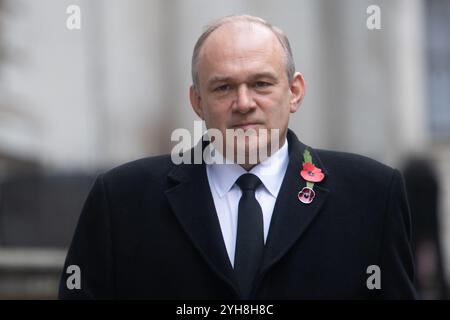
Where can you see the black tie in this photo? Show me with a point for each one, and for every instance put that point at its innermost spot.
(250, 234)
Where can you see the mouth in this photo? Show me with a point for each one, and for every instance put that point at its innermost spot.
(246, 126)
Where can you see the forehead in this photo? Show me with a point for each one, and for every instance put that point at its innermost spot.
(236, 49)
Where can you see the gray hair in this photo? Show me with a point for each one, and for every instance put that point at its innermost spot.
(282, 38)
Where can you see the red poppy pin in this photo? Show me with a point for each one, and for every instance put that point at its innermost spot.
(311, 174)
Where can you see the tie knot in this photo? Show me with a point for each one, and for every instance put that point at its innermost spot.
(248, 181)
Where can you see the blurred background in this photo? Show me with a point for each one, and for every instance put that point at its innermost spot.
(74, 103)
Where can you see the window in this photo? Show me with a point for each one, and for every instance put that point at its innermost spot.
(438, 56)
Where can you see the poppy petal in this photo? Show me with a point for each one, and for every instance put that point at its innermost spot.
(312, 176)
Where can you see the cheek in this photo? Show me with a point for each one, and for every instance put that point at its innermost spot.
(215, 113)
(276, 109)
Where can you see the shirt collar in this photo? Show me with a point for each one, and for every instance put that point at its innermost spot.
(271, 172)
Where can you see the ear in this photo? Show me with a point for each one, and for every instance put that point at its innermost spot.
(297, 92)
(194, 96)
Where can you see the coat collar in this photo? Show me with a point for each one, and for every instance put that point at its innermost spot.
(192, 203)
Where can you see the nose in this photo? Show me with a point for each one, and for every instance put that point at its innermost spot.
(244, 101)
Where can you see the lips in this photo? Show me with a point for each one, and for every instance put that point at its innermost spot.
(246, 126)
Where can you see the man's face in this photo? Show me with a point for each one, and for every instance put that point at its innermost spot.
(243, 81)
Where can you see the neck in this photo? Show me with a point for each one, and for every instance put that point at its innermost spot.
(248, 166)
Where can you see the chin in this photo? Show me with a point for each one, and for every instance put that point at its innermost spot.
(249, 151)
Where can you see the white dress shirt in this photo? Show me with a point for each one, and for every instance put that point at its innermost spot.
(226, 194)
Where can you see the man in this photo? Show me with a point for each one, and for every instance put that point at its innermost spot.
(298, 224)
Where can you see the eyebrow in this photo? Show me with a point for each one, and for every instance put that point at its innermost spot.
(217, 79)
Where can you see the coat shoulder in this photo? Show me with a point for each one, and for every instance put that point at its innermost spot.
(149, 170)
(359, 168)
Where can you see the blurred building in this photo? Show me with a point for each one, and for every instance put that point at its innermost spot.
(75, 102)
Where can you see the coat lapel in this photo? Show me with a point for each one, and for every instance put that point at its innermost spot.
(192, 202)
(290, 217)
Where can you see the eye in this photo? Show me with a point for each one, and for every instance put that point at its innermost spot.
(262, 84)
(222, 88)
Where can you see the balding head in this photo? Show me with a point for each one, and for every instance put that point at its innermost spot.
(236, 22)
